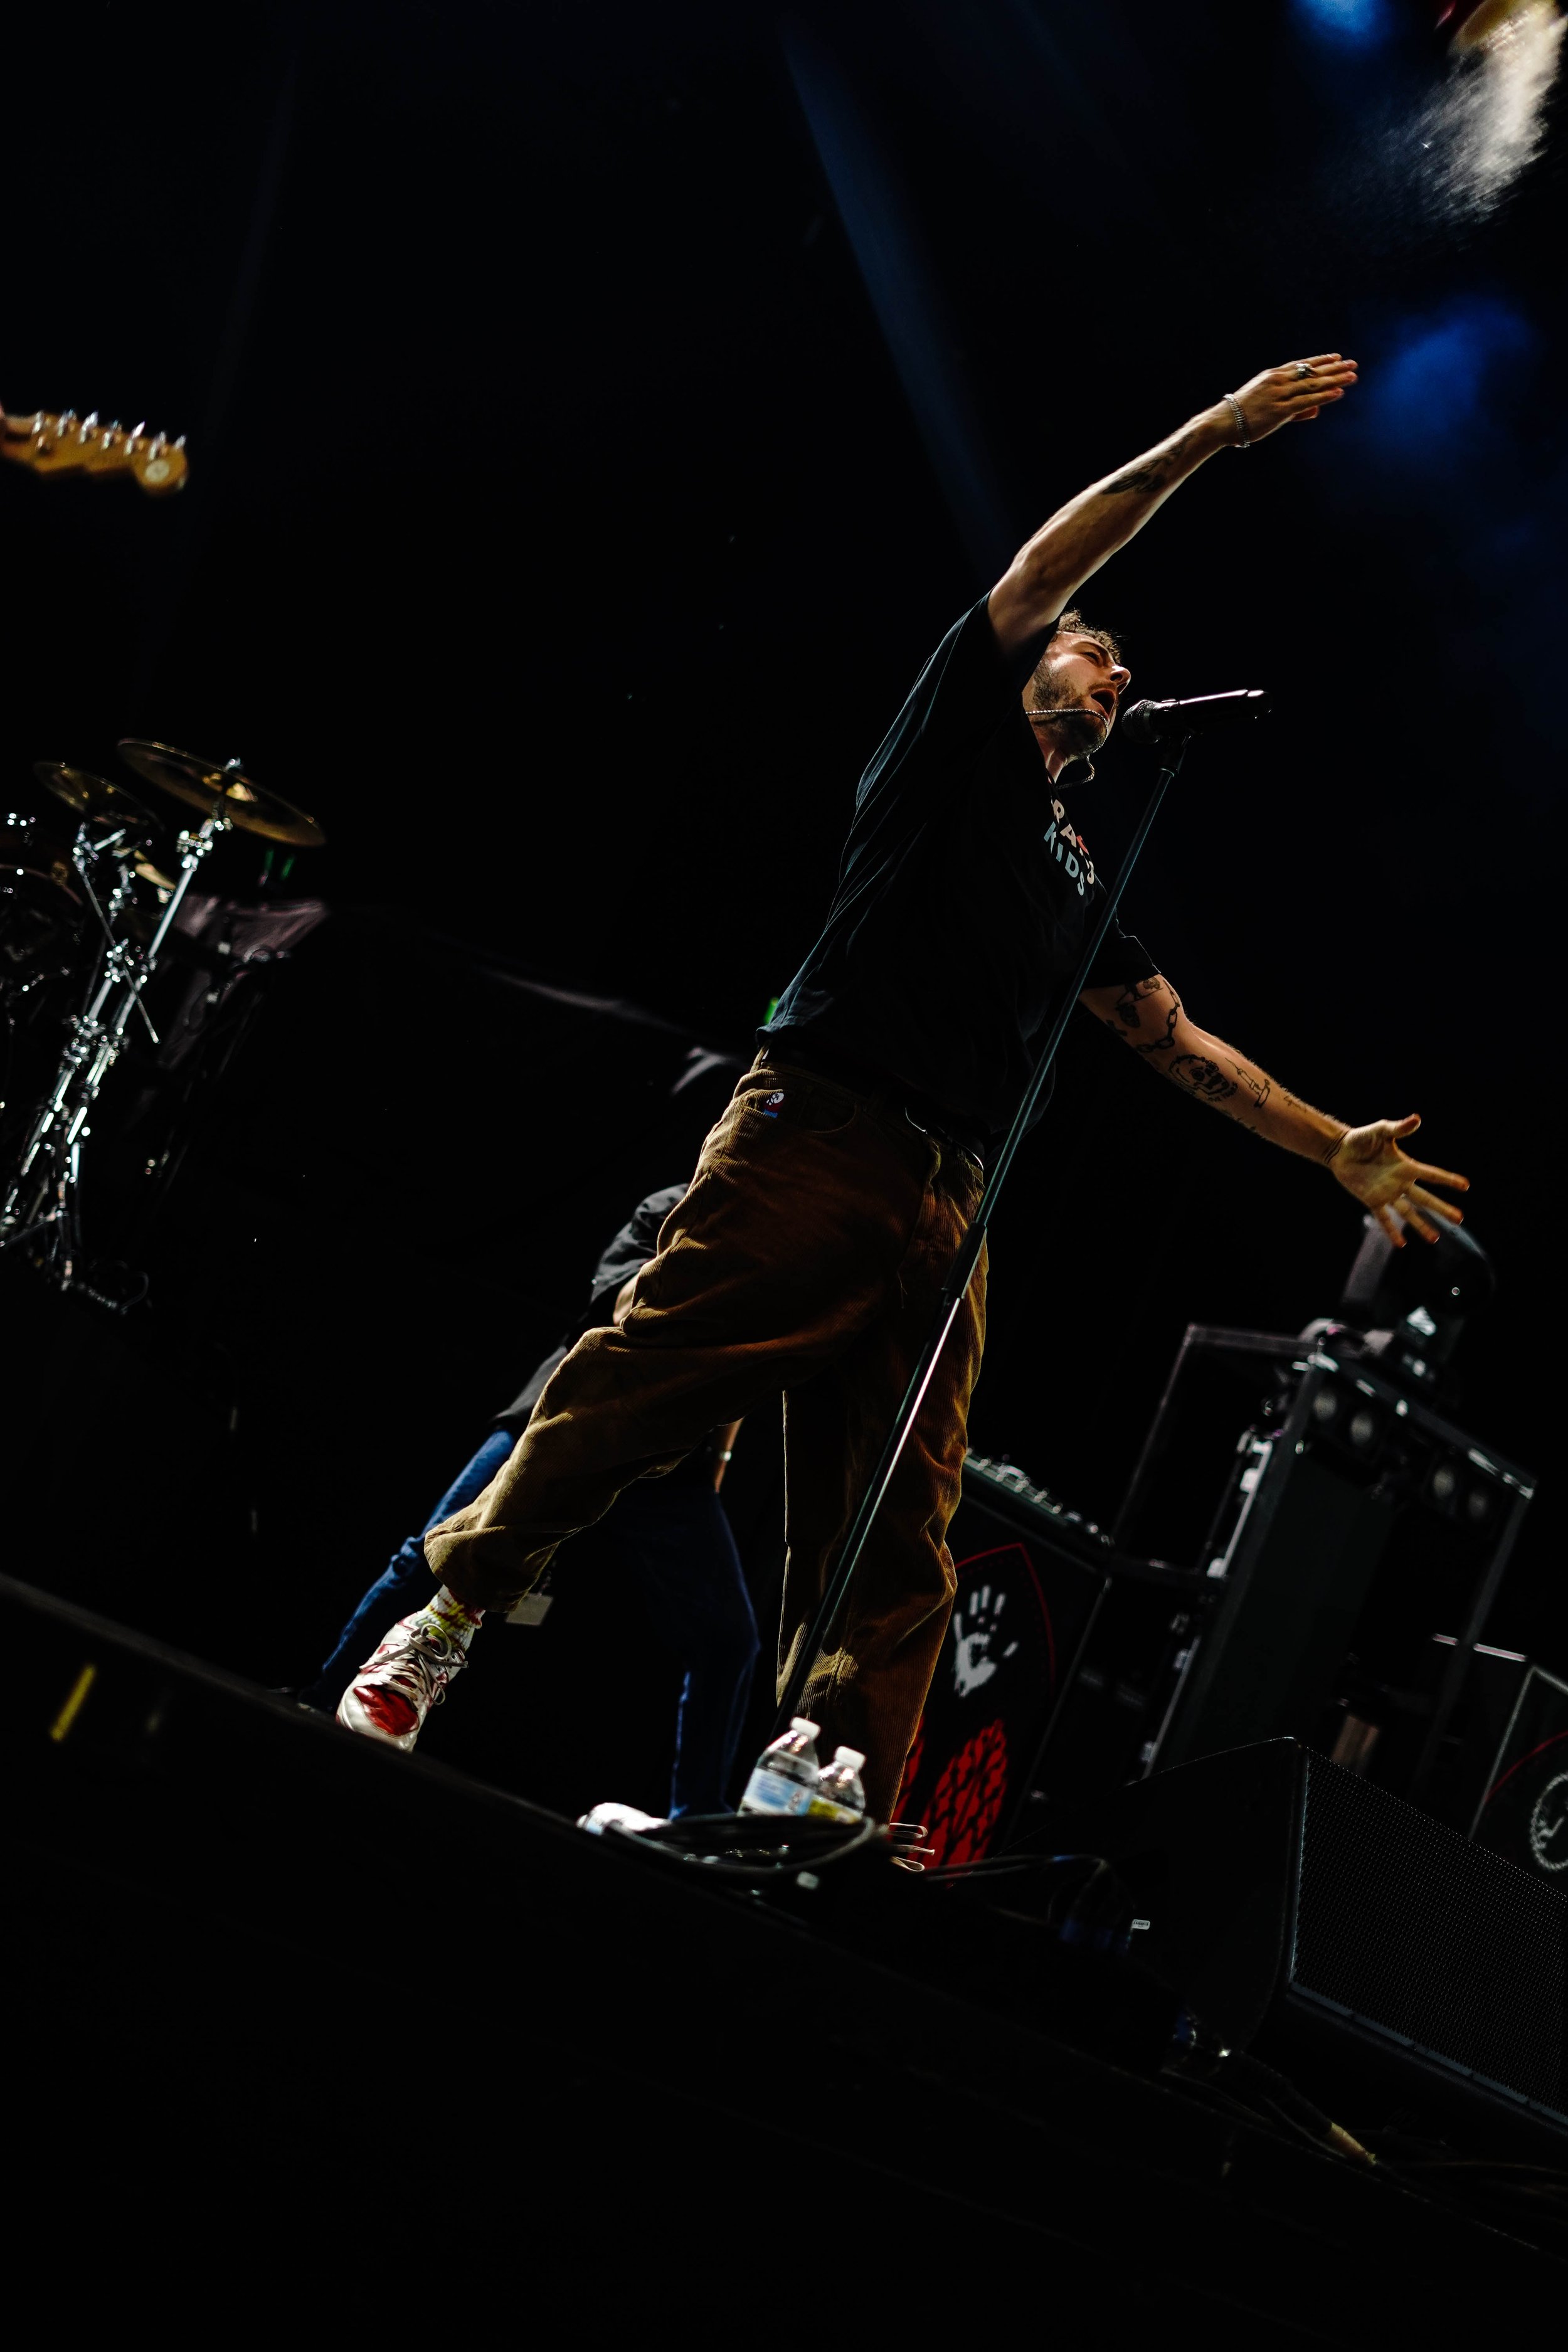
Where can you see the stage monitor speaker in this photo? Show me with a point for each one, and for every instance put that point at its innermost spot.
(1026, 1600)
(1299, 1575)
(1355, 1523)
(1292, 1905)
(1523, 1815)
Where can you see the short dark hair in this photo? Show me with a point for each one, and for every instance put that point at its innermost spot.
(1073, 625)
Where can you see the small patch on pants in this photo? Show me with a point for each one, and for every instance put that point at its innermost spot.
(773, 1106)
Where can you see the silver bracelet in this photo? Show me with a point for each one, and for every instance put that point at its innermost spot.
(1243, 438)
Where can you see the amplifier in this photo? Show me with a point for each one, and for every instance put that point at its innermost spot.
(1293, 1905)
(1008, 1490)
(1523, 1813)
(1356, 1521)
(1030, 1579)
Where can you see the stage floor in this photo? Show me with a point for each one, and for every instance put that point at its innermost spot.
(298, 1996)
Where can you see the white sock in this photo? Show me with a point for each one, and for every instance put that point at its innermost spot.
(452, 1617)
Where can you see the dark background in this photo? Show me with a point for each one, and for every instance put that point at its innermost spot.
(595, 416)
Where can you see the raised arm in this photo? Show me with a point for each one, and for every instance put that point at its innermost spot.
(1367, 1160)
(1047, 571)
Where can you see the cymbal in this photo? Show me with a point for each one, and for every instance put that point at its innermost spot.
(155, 874)
(216, 789)
(91, 795)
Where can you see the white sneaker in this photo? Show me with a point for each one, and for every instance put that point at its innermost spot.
(619, 1817)
(397, 1688)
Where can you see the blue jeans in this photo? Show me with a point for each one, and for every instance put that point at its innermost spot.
(676, 1542)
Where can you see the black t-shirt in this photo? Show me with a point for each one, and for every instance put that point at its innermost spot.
(965, 896)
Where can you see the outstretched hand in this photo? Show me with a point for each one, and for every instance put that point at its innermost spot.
(1294, 393)
(1369, 1162)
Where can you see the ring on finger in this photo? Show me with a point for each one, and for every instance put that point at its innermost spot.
(1302, 368)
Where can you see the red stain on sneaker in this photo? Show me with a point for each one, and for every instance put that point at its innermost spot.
(389, 1710)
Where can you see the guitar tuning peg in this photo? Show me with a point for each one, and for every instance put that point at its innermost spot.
(137, 430)
(88, 423)
(179, 444)
(67, 419)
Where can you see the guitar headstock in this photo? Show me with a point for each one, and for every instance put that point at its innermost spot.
(81, 444)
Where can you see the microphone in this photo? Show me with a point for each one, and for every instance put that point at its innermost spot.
(1197, 714)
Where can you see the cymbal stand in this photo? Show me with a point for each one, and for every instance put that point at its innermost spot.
(86, 852)
(43, 1196)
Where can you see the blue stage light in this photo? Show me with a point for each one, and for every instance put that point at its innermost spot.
(1357, 24)
(1439, 382)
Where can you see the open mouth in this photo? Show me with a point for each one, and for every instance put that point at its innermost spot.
(1104, 701)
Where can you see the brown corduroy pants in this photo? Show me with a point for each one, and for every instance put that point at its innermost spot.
(807, 1255)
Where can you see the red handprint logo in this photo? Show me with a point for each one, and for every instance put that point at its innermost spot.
(966, 1803)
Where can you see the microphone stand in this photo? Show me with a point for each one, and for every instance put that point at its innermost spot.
(961, 1272)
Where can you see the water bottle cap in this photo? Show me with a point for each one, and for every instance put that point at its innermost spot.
(850, 1756)
(804, 1723)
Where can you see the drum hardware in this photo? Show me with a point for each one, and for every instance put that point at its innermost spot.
(35, 871)
(41, 1201)
(201, 785)
(87, 795)
(117, 923)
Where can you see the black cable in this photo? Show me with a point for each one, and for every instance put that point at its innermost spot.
(1546, 2173)
(1226, 2102)
(1002, 1868)
(715, 1866)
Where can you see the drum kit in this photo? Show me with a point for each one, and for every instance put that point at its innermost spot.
(99, 913)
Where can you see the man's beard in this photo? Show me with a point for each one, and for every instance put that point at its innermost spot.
(1078, 732)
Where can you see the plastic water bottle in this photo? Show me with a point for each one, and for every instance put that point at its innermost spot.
(840, 1795)
(784, 1778)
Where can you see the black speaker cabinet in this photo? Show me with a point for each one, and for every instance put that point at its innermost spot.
(1523, 1813)
(1356, 1522)
(1027, 1596)
(1297, 1908)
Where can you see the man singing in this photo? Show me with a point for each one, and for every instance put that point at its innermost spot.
(810, 1249)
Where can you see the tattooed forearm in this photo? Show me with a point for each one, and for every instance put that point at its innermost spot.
(1140, 478)
(1163, 1045)
(1257, 1105)
(1156, 471)
(1129, 1011)
(1148, 1015)
(1131, 998)
(1160, 1044)
(1202, 1077)
(1257, 1084)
